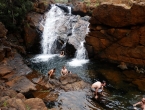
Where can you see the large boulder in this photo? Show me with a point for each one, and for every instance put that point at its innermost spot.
(118, 16)
(31, 35)
(115, 37)
(80, 7)
(35, 103)
(72, 82)
(16, 103)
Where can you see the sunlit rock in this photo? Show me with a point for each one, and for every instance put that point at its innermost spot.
(35, 103)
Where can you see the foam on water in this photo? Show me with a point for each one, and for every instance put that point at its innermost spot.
(43, 57)
(77, 62)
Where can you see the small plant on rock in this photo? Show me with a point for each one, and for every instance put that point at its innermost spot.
(5, 104)
(28, 107)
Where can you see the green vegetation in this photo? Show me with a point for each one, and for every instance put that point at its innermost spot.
(5, 104)
(12, 12)
(28, 107)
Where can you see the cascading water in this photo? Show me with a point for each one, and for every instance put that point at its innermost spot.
(60, 24)
(50, 29)
(72, 29)
(81, 52)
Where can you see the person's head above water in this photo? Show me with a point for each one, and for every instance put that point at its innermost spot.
(103, 83)
(63, 67)
(143, 100)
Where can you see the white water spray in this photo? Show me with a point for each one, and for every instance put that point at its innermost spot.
(50, 29)
(60, 24)
(81, 52)
(81, 56)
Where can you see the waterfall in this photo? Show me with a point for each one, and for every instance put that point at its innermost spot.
(50, 29)
(81, 52)
(69, 8)
(60, 25)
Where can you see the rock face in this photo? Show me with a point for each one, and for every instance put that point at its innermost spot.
(118, 33)
(21, 84)
(11, 100)
(118, 16)
(31, 35)
(3, 30)
(71, 82)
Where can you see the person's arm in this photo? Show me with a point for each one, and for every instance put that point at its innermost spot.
(96, 90)
(138, 103)
(66, 72)
(50, 73)
(61, 72)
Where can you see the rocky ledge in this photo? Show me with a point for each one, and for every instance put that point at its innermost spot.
(117, 33)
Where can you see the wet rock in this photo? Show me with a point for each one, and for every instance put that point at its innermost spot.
(69, 79)
(139, 83)
(75, 86)
(45, 82)
(52, 96)
(113, 76)
(37, 80)
(35, 103)
(21, 84)
(72, 82)
(130, 74)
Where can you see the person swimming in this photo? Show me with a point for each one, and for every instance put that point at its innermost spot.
(61, 54)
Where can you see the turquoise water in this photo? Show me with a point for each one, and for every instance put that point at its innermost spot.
(121, 89)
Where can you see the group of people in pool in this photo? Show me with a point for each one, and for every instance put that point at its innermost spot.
(97, 89)
(63, 72)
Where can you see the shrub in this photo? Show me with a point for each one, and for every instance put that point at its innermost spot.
(12, 12)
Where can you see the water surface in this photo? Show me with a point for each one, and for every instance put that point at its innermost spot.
(121, 90)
